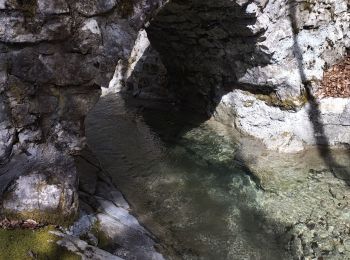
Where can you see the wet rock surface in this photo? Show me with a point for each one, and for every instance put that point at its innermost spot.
(105, 229)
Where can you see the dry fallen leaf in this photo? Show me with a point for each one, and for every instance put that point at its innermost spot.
(336, 80)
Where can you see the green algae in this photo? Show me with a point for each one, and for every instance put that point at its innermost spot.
(32, 244)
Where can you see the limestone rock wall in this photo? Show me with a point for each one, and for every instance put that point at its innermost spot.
(253, 62)
(54, 57)
(143, 75)
(271, 47)
(328, 124)
(147, 76)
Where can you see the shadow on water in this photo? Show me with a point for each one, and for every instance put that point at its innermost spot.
(214, 211)
(200, 208)
(315, 117)
(204, 207)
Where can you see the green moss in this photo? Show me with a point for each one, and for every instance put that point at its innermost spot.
(32, 244)
(55, 217)
(126, 8)
(104, 242)
(248, 103)
(291, 103)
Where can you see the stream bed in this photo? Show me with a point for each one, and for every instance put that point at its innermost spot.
(184, 184)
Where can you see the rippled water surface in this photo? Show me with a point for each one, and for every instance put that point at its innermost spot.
(182, 183)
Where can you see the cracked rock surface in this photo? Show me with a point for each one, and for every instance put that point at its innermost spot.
(54, 57)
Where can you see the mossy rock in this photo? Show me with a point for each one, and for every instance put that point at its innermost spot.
(104, 242)
(32, 244)
(292, 103)
(28, 6)
(126, 8)
(54, 218)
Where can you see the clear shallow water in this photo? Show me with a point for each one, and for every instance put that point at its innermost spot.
(182, 183)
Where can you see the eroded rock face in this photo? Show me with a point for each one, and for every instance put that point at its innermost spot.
(54, 57)
(212, 47)
(274, 51)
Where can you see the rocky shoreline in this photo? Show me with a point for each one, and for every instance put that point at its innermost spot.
(105, 228)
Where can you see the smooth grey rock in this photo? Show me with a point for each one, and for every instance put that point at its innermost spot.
(112, 195)
(94, 7)
(83, 225)
(41, 189)
(83, 249)
(53, 6)
(134, 242)
(283, 130)
(120, 214)
(105, 214)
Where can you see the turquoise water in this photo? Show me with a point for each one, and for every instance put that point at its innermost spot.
(182, 182)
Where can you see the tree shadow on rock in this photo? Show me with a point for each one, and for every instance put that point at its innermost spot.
(321, 139)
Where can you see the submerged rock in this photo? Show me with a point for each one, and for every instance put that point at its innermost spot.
(83, 249)
(105, 228)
